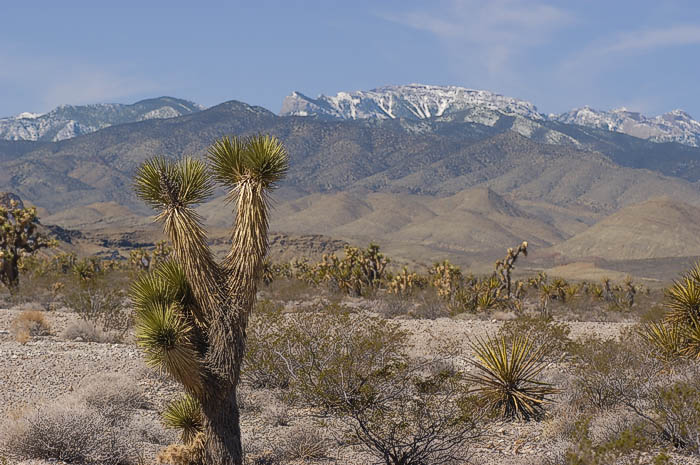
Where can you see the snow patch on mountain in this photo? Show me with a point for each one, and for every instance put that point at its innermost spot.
(68, 121)
(675, 126)
(414, 101)
(452, 103)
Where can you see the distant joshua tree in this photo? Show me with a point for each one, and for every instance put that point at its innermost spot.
(19, 237)
(191, 311)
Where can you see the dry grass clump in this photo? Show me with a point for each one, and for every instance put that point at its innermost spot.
(112, 391)
(87, 331)
(303, 442)
(275, 413)
(28, 324)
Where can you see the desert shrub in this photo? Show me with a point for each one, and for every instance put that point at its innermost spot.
(676, 413)
(508, 376)
(392, 305)
(407, 418)
(28, 324)
(329, 356)
(302, 442)
(71, 432)
(629, 447)
(102, 305)
(430, 306)
(303, 350)
(608, 373)
(247, 400)
(275, 413)
(262, 367)
(114, 394)
(87, 331)
(289, 289)
(354, 366)
(664, 397)
(546, 334)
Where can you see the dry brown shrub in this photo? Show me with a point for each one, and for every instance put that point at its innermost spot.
(28, 324)
(112, 391)
(303, 442)
(276, 413)
(178, 454)
(71, 432)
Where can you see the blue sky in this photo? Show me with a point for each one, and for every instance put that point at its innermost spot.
(644, 55)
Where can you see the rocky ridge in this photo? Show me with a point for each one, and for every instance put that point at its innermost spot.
(426, 102)
(68, 121)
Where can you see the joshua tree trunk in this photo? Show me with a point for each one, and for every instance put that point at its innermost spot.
(221, 427)
(10, 272)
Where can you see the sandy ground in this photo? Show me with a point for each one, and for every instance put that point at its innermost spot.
(47, 367)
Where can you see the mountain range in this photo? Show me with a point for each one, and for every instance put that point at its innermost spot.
(68, 121)
(423, 102)
(425, 189)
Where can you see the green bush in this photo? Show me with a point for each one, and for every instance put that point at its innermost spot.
(546, 334)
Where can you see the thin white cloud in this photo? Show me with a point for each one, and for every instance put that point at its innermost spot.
(51, 81)
(607, 52)
(495, 32)
(651, 39)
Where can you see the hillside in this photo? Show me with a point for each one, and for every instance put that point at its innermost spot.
(659, 227)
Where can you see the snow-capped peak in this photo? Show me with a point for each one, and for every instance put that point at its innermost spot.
(674, 126)
(28, 115)
(413, 101)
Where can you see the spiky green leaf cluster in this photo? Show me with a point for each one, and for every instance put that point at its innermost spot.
(163, 302)
(184, 414)
(162, 183)
(508, 376)
(679, 334)
(684, 300)
(260, 157)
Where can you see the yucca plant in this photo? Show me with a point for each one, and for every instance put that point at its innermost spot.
(666, 338)
(684, 300)
(691, 332)
(191, 312)
(507, 376)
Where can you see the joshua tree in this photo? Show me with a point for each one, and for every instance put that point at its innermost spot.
(192, 311)
(505, 267)
(18, 237)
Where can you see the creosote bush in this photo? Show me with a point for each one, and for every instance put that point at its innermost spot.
(354, 367)
(547, 334)
(102, 306)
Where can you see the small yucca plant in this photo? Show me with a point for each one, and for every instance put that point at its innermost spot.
(184, 414)
(507, 376)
